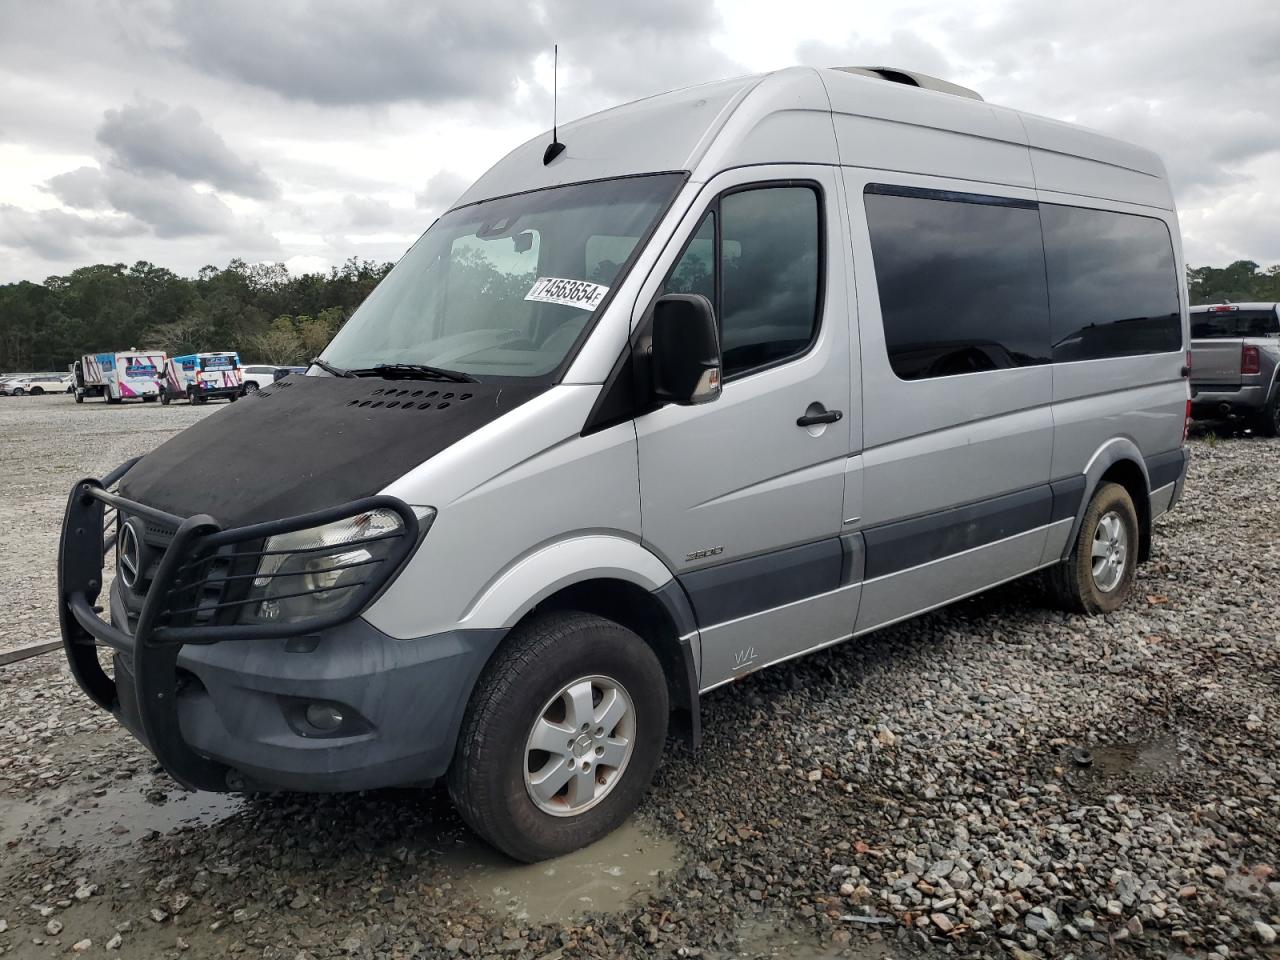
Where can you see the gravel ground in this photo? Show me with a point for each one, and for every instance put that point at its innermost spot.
(994, 779)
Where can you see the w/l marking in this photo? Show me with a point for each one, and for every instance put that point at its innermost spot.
(744, 658)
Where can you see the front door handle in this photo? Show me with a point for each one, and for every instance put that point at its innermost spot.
(817, 414)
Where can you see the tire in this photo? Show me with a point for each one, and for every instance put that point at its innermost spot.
(1073, 583)
(37, 391)
(17, 392)
(1267, 423)
(79, 397)
(250, 386)
(164, 398)
(518, 689)
(232, 398)
(111, 399)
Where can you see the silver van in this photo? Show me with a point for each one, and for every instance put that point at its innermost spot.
(707, 382)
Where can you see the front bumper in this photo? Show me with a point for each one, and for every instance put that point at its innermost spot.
(222, 705)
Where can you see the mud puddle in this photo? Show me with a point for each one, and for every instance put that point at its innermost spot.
(600, 878)
(1137, 765)
(111, 818)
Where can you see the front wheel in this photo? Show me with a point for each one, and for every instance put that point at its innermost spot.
(79, 397)
(18, 391)
(562, 736)
(164, 398)
(1098, 576)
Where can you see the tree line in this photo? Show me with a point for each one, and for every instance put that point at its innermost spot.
(261, 311)
(269, 315)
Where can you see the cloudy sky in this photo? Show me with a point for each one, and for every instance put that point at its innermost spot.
(187, 133)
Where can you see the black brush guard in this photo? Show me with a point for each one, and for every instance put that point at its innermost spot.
(167, 622)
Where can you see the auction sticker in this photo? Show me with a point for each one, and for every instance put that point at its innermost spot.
(571, 293)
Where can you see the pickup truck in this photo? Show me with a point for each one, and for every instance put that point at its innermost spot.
(1235, 361)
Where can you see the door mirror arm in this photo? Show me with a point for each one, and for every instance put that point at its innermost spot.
(686, 364)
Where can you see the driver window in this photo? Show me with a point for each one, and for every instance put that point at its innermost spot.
(763, 279)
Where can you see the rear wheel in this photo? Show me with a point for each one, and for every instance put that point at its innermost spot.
(79, 397)
(562, 735)
(111, 399)
(164, 398)
(1098, 576)
(1268, 421)
(250, 386)
(37, 391)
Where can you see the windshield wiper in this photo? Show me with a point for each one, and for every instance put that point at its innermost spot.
(412, 371)
(329, 368)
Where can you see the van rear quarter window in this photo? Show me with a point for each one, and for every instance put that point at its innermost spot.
(961, 280)
(1113, 285)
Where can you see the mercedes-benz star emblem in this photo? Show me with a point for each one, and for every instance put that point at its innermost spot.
(129, 556)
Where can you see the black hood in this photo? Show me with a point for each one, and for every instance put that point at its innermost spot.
(307, 443)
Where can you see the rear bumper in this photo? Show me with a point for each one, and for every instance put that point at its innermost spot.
(1211, 402)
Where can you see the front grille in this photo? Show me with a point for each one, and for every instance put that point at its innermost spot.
(202, 586)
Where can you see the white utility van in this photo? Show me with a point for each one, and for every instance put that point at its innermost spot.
(716, 379)
(128, 375)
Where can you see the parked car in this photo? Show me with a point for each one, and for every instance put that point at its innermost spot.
(34, 384)
(727, 376)
(1235, 363)
(126, 375)
(258, 375)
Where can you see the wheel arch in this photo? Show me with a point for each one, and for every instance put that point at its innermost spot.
(662, 618)
(612, 577)
(1119, 461)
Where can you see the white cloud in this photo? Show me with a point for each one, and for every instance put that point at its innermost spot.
(309, 131)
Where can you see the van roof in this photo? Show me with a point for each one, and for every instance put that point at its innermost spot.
(788, 116)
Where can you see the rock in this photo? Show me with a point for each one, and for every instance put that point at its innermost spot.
(114, 942)
(53, 927)
(1216, 872)
(1265, 933)
(942, 922)
(80, 946)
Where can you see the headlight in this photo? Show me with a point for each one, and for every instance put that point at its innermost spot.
(310, 573)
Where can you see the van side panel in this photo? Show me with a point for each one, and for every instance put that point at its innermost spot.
(959, 443)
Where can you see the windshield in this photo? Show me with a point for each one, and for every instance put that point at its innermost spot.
(1218, 324)
(504, 288)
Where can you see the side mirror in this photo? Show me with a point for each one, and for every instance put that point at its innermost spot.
(686, 349)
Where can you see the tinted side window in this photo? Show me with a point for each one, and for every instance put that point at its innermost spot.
(961, 281)
(769, 262)
(761, 274)
(1113, 286)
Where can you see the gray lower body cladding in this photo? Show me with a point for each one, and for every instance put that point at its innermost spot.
(244, 704)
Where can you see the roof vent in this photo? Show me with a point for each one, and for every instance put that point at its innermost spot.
(911, 78)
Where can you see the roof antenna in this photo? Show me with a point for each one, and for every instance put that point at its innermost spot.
(555, 147)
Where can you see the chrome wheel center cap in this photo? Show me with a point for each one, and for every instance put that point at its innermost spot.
(583, 746)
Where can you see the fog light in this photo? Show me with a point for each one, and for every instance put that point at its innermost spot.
(324, 716)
